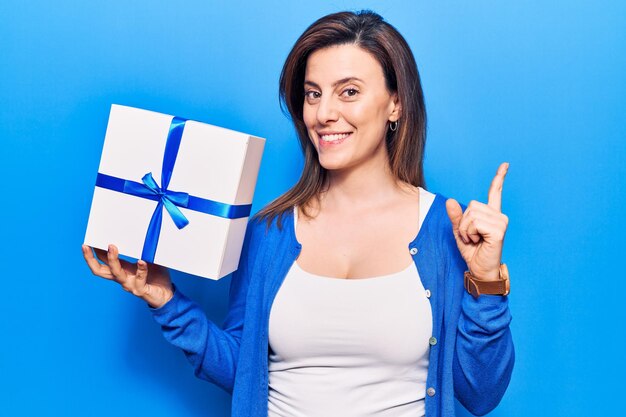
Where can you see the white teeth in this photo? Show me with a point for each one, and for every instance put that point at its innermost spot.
(334, 137)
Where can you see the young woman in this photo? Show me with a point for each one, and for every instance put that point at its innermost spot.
(352, 297)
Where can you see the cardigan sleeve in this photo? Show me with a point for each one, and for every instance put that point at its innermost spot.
(484, 354)
(212, 350)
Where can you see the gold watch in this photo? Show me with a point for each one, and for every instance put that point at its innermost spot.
(477, 287)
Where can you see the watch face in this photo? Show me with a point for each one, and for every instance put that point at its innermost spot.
(504, 272)
(507, 286)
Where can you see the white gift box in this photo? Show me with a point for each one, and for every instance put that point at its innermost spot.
(215, 167)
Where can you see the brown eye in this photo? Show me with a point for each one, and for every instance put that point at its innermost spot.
(311, 95)
(350, 92)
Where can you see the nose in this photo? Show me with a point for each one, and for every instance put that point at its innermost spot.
(327, 110)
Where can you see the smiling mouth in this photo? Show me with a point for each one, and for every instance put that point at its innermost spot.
(334, 138)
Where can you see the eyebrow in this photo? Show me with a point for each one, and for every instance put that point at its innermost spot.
(336, 83)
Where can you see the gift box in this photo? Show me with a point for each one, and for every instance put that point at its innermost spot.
(174, 192)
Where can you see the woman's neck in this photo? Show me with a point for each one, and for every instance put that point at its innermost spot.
(363, 186)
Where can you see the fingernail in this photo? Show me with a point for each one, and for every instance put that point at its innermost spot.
(110, 248)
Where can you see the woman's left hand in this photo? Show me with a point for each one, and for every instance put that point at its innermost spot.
(480, 230)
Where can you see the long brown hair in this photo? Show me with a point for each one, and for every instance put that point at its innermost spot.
(405, 146)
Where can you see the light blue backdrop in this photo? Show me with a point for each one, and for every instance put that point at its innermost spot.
(539, 84)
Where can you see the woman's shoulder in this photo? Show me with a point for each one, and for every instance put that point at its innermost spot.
(438, 200)
(440, 230)
(434, 205)
(437, 222)
(262, 227)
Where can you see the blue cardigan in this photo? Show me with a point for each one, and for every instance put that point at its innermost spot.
(471, 356)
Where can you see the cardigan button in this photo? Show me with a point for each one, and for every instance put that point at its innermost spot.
(413, 251)
(427, 293)
(432, 341)
(431, 392)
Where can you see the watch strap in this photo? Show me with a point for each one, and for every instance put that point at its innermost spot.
(478, 287)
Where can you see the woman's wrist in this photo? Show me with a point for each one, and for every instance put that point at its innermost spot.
(165, 297)
(477, 286)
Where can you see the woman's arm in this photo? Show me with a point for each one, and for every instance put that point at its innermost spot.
(213, 351)
(484, 353)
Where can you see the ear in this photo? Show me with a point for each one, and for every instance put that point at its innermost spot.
(396, 108)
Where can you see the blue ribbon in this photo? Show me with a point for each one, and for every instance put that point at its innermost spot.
(169, 199)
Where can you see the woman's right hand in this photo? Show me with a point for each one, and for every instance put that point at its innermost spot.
(154, 288)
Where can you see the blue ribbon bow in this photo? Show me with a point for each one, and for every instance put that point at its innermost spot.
(167, 198)
(171, 200)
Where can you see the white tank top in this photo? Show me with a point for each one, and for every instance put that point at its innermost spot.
(350, 347)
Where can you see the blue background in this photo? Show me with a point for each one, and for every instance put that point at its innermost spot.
(539, 84)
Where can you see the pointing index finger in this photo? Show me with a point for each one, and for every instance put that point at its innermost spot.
(495, 190)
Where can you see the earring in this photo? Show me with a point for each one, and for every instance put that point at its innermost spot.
(393, 126)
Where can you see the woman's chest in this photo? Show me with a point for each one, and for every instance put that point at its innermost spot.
(357, 246)
(324, 321)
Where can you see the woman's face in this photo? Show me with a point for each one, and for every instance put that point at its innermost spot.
(347, 107)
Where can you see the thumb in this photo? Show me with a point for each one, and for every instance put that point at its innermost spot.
(455, 213)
